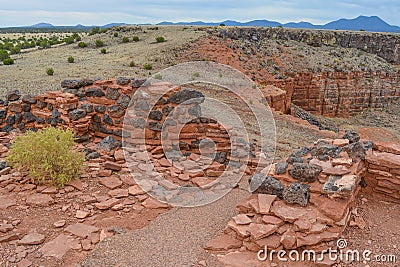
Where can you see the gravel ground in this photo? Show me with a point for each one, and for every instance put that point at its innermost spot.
(175, 238)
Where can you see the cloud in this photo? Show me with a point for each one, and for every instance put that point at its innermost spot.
(89, 12)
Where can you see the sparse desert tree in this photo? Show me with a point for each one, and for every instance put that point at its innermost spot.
(160, 39)
(4, 54)
(48, 156)
(82, 44)
(135, 38)
(8, 61)
(70, 59)
(125, 39)
(115, 34)
(147, 66)
(99, 43)
(50, 71)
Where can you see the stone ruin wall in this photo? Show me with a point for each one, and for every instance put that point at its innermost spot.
(279, 216)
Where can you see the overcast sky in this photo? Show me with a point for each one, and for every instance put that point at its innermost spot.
(100, 12)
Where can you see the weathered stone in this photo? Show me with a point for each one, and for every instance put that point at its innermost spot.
(323, 150)
(124, 101)
(112, 166)
(341, 185)
(281, 167)
(187, 96)
(297, 193)
(81, 214)
(352, 136)
(32, 239)
(116, 111)
(29, 99)
(223, 242)
(289, 239)
(81, 230)
(337, 170)
(135, 190)
(265, 202)
(75, 84)
(241, 230)
(357, 151)
(155, 115)
(111, 182)
(100, 109)
(29, 117)
(152, 203)
(341, 142)
(118, 193)
(268, 185)
(258, 231)
(5, 227)
(268, 219)
(384, 159)
(305, 172)
(288, 213)
(112, 93)
(6, 202)
(94, 92)
(242, 219)
(123, 81)
(13, 95)
(39, 199)
(103, 205)
(107, 120)
(59, 246)
(77, 114)
(155, 126)
(109, 143)
(59, 224)
(313, 239)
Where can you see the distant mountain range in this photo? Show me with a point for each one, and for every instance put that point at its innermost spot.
(371, 24)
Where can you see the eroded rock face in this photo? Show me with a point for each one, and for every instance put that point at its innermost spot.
(297, 193)
(305, 172)
(269, 185)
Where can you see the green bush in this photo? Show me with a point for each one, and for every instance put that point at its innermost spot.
(132, 64)
(135, 38)
(115, 34)
(160, 39)
(50, 71)
(48, 156)
(125, 40)
(103, 51)
(82, 44)
(69, 40)
(99, 43)
(15, 50)
(70, 59)
(147, 66)
(4, 54)
(8, 61)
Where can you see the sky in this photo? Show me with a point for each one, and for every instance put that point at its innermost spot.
(100, 12)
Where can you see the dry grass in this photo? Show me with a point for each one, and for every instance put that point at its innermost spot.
(28, 74)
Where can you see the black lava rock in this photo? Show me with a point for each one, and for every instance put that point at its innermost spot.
(305, 172)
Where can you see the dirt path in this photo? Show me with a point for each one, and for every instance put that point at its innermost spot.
(175, 238)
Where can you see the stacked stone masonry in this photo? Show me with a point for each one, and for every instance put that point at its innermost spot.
(306, 202)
